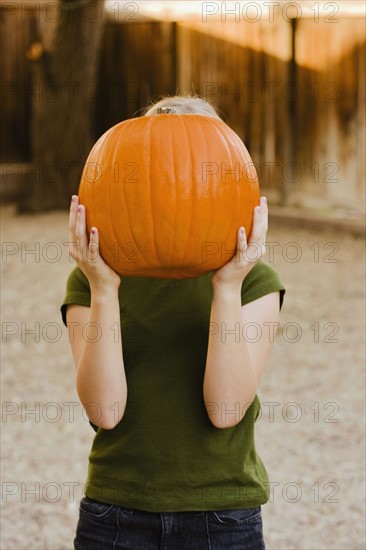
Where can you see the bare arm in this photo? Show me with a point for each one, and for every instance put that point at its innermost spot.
(235, 363)
(100, 375)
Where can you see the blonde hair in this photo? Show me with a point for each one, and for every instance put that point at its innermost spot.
(182, 105)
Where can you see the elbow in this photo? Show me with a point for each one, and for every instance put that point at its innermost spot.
(105, 417)
(102, 414)
(106, 424)
(223, 425)
(227, 419)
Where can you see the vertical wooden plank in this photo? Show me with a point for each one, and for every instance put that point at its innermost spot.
(331, 120)
(330, 111)
(136, 73)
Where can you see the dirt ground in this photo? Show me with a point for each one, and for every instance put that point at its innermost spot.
(311, 432)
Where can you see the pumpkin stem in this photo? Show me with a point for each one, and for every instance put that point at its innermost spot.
(165, 110)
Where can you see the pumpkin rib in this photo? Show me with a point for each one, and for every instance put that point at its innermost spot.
(231, 228)
(188, 224)
(136, 239)
(149, 132)
(112, 224)
(114, 232)
(175, 226)
(192, 193)
(174, 188)
(109, 198)
(207, 152)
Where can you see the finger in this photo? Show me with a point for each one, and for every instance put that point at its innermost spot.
(264, 213)
(241, 238)
(73, 212)
(72, 223)
(80, 231)
(242, 244)
(260, 223)
(256, 235)
(93, 248)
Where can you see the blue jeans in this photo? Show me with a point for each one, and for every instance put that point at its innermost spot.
(111, 527)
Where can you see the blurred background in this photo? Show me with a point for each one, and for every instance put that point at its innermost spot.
(289, 78)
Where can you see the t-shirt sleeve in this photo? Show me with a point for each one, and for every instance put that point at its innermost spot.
(77, 291)
(261, 280)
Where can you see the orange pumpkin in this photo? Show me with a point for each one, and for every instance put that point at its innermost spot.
(168, 194)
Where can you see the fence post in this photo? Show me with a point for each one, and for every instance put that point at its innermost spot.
(290, 140)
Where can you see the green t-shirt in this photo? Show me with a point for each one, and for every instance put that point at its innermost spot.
(165, 455)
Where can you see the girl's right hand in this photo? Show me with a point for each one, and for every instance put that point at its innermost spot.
(86, 253)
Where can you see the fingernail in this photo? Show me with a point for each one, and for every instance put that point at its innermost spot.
(79, 208)
(93, 230)
(258, 209)
(242, 230)
(264, 200)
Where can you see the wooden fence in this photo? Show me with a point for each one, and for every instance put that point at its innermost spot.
(295, 93)
(293, 90)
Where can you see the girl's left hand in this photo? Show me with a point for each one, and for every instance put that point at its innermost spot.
(230, 276)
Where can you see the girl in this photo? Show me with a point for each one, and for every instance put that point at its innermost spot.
(171, 393)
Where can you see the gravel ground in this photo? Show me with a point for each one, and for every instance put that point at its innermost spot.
(310, 434)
